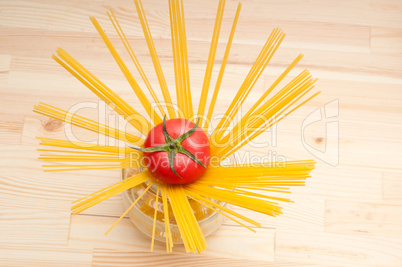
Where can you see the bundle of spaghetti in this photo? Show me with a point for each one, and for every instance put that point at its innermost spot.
(261, 182)
(87, 146)
(259, 176)
(276, 186)
(257, 169)
(211, 59)
(252, 194)
(81, 158)
(80, 152)
(155, 58)
(266, 114)
(184, 205)
(243, 200)
(193, 238)
(85, 123)
(269, 49)
(110, 191)
(102, 91)
(82, 167)
(98, 161)
(222, 69)
(180, 58)
(133, 57)
(129, 77)
(74, 152)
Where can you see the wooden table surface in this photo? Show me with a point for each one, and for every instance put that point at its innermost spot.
(349, 213)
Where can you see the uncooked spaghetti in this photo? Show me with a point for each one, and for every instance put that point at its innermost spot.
(233, 184)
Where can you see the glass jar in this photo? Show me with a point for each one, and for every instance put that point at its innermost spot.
(142, 214)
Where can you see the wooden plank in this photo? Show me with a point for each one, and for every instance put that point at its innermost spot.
(363, 113)
(352, 151)
(392, 185)
(33, 226)
(44, 255)
(385, 40)
(343, 62)
(356, 95)
(121, 258)
(10, 128)
(25, 185)
(38, 14)
(341, 183)
(56, 192)
(199, 26)
(301, 34)
(348, 180)
(362, 12)
(5, 63)
(77, 43)
(333, 58)
(46, 127)
(228, 242)
(377, 108)
(306, 213)
(52, 87)
(328, 249)
(389, 102)
(377, 218)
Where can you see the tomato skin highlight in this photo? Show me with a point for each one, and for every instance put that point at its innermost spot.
(189, 170)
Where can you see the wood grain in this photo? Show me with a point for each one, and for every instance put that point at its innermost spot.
(33, 226)
(44, 255)
(392, 185)
(327, 249)
(11, 125)
(106, 257)
(5, 65)
(386, 40)
(227, 242)
(380, 219)
(346, 215)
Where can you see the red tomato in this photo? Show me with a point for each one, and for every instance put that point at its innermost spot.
(188, 169)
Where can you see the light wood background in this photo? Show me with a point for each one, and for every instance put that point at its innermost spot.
(347, 215)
